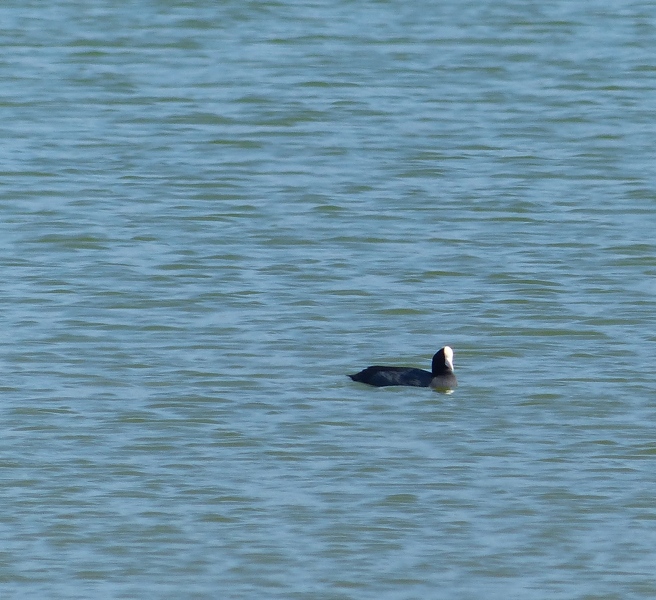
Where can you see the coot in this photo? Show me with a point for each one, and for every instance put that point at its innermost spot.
(442, 376)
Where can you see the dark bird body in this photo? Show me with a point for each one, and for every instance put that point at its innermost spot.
(441, 376)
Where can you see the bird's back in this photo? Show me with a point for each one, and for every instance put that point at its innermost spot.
(380, 376)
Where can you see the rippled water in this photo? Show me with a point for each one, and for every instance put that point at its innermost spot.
(211, 212)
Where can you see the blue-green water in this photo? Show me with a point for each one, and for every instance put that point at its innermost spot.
(211, 212)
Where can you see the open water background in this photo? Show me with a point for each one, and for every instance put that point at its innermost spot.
(211, 211)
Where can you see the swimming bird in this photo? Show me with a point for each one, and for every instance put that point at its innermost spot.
(441, 377)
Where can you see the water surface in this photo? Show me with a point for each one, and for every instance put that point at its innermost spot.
(211, 213)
